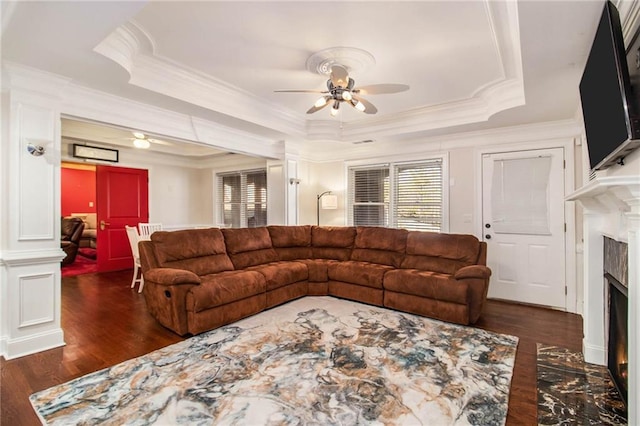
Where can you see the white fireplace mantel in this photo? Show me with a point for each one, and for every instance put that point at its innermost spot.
(609, 194)
(612, 208)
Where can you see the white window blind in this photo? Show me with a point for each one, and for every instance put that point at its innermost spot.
(369, 195)
(418, 196)
(243, 198)
(398, 195)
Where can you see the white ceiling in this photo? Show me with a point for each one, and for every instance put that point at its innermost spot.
(470, 64)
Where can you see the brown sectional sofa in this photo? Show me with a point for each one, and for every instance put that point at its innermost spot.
(200, 279)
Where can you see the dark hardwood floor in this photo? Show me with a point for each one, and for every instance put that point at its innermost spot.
(105, 322)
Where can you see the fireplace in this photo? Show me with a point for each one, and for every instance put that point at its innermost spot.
(611, 207)
(617, 347)
(616, 273)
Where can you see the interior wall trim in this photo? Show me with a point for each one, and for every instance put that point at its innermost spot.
(13, 258)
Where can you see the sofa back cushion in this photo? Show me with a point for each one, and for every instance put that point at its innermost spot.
(291, 242)
(445, 253)
(249, 246)
(384, 246)
(201, 251)
(332, 242)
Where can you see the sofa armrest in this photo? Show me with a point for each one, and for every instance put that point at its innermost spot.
(473, 271)
(171, 276)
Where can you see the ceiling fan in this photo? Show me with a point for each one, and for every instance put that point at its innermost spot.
(341, 88)
(140, 140)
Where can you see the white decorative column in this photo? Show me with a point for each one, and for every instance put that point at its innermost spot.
(30, 251)
(612, 208)
(292, 191)
(633, 217)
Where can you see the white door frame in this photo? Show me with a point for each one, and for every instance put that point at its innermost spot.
(574, 297)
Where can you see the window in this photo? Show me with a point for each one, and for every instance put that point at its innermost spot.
(243, 198)
(398, 195)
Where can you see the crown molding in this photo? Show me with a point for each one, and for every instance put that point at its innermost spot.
(629, 17)
(132, 48)
(342, 151)
(81, 102)
(33, 80)
(505, 92)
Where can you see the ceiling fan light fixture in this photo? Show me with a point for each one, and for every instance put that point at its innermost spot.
(141, 143)
(335, 108)
(358, 105)
(321, 102)
(346, 95)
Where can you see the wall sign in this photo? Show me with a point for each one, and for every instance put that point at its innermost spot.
(95, 153)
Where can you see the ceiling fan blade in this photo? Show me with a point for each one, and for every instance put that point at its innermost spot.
(339, 76)
(301, 91)
(369, 107)
(381, 89)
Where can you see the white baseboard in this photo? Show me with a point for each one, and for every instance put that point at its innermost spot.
(15, 348)
(594, 354)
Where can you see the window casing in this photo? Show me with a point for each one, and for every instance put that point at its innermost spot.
(398, 195)
(243, 198)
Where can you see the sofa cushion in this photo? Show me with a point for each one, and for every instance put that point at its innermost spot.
(280, 274)
(222, 288)
(290, 236)
(384, 246)
(431, 285)
(201, 251)
(332, 242)
(291, 242)
(361, 273)
(249, 246)
(318, 269)
(445, 253)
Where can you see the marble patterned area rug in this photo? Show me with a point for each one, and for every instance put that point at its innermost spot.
(316, 360)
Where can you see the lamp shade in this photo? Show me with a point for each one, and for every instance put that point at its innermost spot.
(329, 202)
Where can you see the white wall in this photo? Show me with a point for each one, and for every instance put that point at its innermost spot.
(462, 163)
(178, 197)
(317, 178)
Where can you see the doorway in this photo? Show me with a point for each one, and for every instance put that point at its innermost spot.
(524, 226)
(106, 198)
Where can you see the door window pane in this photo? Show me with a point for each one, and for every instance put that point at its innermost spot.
(520, 196)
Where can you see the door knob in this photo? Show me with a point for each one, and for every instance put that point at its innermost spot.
(488, 237)
(487, 225)
(103, 224)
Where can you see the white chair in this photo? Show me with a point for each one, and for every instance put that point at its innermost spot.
(146, 229)
(132, 234)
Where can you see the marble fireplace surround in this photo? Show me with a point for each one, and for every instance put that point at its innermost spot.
(611, 208)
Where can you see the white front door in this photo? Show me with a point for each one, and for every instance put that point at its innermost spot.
(523, 225)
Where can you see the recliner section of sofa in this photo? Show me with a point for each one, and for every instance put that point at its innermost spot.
(198, 280)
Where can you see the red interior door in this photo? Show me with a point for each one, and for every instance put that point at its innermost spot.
(122, 198)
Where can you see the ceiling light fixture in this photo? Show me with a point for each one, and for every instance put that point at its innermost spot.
(141, 143)
(335, 108)
(322, 101)
(358, 105)
(346, 95)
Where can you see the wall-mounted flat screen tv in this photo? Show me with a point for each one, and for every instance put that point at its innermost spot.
(610, 104)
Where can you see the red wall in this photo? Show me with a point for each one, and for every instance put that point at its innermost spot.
(78, 190)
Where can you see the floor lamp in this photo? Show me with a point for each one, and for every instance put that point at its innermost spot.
(329, 202)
